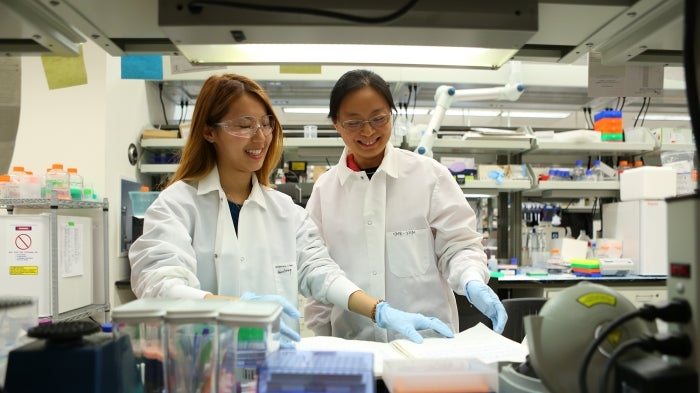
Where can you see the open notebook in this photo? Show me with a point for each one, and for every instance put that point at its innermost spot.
(478, 342)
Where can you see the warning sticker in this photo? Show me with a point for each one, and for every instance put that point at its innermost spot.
(24, 247)
(24, 270)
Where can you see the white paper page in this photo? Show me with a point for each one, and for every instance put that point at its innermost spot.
(72, 250)
(381, 351)
(478, 342)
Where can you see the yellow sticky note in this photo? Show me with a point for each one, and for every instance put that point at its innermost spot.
(65, 71)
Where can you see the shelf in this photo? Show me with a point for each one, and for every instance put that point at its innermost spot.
(157, 168)
(490, 187)
(163, 143)
(81, 313)
(46, 203)
(92, 223)
(676, 147)
(574, 189)
(313, 150)
(586, 149)
(579, 209)
(314, 142)
(482, 145)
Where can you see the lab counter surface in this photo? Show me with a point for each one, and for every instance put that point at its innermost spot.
(523, 285)
(639, 289)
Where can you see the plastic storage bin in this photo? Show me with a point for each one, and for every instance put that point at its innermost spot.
(191, 330)
(248, 332)
(439, 375)
(143, 321)
(141, 200)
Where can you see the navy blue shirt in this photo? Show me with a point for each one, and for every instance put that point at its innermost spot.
(235, 212)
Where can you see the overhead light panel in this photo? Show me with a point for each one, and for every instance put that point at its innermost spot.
(669, 117)
(472, 112)
(335, 54)
(401, 32)
(323, 110)
(537, 114)
(307, 110)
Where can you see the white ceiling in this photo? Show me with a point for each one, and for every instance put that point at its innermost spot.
(622, 31)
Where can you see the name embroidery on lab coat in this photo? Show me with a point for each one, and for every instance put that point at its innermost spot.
(281, 269)
(407, 233)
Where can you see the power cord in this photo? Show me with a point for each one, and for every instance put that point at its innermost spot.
(671, 311)
(187, 105)
(641, 109)
(162, 104)
(196, 7)
(415, 99)
(667, 344)
(644, 116)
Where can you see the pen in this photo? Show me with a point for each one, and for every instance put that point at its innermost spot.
(201, 357)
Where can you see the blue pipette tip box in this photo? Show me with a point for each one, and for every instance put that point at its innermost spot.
(287, 371)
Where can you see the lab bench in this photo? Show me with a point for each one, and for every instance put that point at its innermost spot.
(638, 289)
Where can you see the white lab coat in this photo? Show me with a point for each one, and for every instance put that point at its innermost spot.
(189, 247)
(407, 235)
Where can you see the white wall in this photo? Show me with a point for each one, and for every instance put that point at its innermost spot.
(89, 127)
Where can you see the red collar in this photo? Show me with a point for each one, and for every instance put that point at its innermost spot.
(350, 162)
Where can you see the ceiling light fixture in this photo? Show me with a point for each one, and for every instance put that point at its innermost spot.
(472, 112)
(433, 34)
(660, 116)
(322, 110)
(334, 54)
(307, 110)
(484, 195)
(537, 114)
(468, 112)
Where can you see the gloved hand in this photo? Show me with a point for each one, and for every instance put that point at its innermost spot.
(289, 335)
(486, 301)
(408, 323)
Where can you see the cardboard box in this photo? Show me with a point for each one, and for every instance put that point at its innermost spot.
(160, 134)
(647, 182)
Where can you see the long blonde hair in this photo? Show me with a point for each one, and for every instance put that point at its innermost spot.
(214, 101)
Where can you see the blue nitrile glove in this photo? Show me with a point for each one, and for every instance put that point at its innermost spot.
(408, 323)
(497, 175)
(289, 335)
(486, 301)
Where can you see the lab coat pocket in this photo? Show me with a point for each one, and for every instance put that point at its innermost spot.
(286, 279)
(409, 251)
